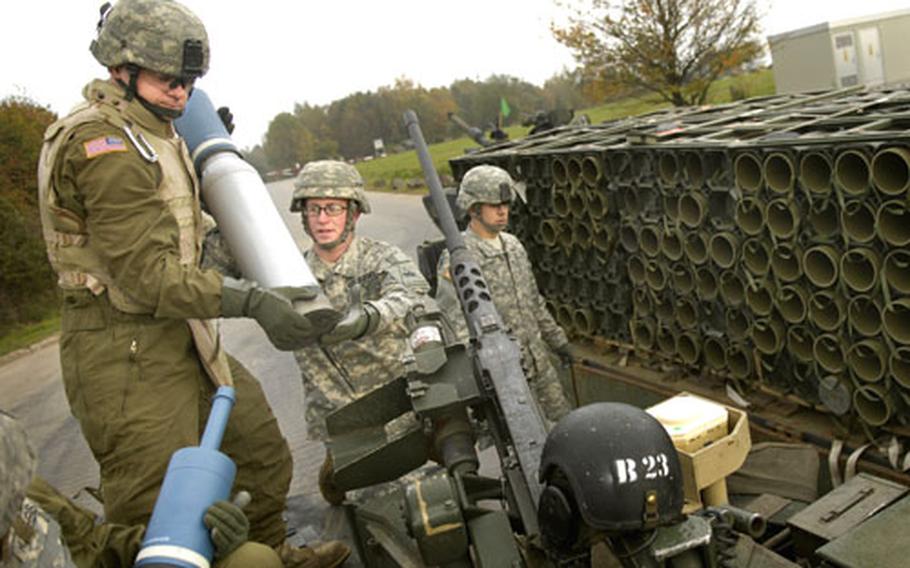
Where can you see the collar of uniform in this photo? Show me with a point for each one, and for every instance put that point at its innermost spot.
(106, 92)
(487, 247)
(344, 266)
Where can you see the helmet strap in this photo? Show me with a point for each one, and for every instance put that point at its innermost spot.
(132, 92)
(130, 88)
(159, 111)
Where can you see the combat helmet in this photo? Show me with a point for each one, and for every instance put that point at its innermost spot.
(329, 179)
(160, 35)
(17, 466)
(485, 184)
(611, 468)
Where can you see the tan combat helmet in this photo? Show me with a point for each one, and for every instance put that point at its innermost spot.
(160, 35)
(329, 179)
(17, 466)
(485, 184)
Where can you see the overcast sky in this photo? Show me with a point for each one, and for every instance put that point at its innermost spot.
(269, 54)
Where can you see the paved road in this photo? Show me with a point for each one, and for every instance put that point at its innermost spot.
(32, 389)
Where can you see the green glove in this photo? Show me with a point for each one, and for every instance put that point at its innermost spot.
(273, 308)
(229, 526)
(361, 319)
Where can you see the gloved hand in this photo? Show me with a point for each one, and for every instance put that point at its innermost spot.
(361, 319)
(229, 526)
(564, 354)
(227, 119)
(272, 308)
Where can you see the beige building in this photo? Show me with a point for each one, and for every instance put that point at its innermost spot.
(871, 50)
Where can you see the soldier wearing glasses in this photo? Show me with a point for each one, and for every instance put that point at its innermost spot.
(373, 282)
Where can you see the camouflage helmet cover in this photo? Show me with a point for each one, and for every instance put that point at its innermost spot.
(160, 35)
(17, 466)
(329, 179)
(485, 184)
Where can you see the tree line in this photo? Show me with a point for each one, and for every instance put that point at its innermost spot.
(27, 283)
(347, 127)
(673, 48)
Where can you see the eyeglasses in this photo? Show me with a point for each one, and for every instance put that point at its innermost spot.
(332, 209)
(173, 82)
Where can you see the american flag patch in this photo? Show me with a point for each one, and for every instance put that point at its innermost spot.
(104, 145)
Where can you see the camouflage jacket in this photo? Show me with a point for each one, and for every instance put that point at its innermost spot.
(507, 270)
(336, 375)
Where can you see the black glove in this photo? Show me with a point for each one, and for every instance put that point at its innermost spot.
(224, 113)
(229, 526)
(564, 354)
(273, 308)
(361, 319)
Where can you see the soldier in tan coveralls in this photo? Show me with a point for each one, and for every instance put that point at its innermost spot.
(373, 282)
(485, 194)
(139, 351)
(41, 528)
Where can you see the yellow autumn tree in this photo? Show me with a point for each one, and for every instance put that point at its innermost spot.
(675, 48)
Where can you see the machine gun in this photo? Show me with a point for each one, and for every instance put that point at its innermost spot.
(433, 412)
(476, 134)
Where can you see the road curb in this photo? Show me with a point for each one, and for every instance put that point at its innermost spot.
(18, 353)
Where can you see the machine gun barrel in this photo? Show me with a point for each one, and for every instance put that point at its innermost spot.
(475, 133)
(519, 428)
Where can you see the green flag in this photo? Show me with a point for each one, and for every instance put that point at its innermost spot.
(504, 109)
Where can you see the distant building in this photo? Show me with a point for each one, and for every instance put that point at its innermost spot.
(871, 50)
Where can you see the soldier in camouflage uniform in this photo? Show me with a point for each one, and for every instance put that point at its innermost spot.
(485, 194)
(41, 528)
(139, 349)
(374, 283)
(28, 536)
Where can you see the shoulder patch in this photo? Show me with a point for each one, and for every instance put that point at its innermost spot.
(103, 145)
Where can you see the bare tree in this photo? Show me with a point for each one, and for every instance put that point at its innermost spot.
(675, 48)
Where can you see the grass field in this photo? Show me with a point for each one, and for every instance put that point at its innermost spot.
(29, 334)
(379, 173)
(404, 165)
